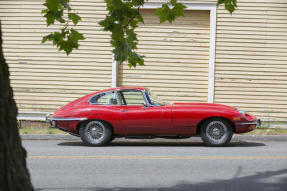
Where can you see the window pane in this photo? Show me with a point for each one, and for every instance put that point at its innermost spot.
(133, 97)
(108, 98)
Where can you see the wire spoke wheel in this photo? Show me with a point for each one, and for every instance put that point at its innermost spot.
(95, 133)
(216, 132)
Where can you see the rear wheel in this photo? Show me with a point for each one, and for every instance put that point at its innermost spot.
(95, 133)
(216, 132)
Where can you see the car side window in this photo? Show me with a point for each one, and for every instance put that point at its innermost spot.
(131, 98)
(106, 98)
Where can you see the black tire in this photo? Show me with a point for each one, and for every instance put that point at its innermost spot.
(216, 132)
(95, 133)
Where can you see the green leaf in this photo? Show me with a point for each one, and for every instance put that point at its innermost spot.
(135, 59)
(66, 4)
(53, 5)
(47, 37)
(229, 5)
(137, 3)
(76, 36)
(50, 18)
(117, 32)
(67, 46)
(74, 17)
(140, 18)
(134, 24)
(162, 16)
(173, 2)
(167, 14)
(178, 9)
(44, 11)
(131, 39)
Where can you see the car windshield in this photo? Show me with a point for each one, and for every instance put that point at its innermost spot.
(155, 100)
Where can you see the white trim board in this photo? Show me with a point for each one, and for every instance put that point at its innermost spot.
(190, 6)
(114, 73)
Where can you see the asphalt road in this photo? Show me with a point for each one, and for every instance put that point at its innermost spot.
(162, 166)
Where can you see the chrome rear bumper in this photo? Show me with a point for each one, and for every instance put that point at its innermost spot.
(50, 118)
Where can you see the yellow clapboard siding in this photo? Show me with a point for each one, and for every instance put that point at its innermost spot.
(271, 98)
(36, 99)
(250, 61)
(229, 84)
(42, 95)
(255, 68)
(59, 79)
(38, 71)
(187, 40)
(40, 102)
(251, 47)
(258, 104)
(37, 108)
(251, 58)
(52, 91)
(84, 86)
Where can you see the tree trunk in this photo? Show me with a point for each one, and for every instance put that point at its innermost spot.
(14, 174)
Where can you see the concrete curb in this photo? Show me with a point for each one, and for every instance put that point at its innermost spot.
(236, 138)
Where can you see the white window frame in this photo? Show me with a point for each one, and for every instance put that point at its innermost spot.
(189, 6)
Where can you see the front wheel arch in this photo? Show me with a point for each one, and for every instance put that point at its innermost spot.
(216, 132)
(198, 128)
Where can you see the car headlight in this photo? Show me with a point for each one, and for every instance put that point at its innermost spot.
(241, 112)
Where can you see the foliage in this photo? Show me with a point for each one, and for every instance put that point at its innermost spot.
(121, 21)
(165, 13)
(230, 5)
(123, 18)
(67, 38)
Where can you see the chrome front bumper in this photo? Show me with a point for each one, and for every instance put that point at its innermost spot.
(257, 123)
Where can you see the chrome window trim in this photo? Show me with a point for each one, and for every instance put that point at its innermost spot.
(134, 90)
(116, 92)
(146, 96)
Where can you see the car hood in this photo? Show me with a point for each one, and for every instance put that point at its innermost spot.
(206, 105)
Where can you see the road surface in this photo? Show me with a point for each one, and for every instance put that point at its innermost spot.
(163, 166)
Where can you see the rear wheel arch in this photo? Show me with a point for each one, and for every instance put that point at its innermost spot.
(82, 123)
(199, 125)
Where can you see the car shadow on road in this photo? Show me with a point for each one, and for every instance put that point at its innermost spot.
(146, 143)
(263, 181)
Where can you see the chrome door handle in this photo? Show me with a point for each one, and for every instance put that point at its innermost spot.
(124, 110)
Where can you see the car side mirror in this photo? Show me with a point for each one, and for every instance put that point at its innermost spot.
(144, 106)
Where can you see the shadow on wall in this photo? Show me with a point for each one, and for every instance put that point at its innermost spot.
(263, 181)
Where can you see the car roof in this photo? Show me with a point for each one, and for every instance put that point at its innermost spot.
(120, 88)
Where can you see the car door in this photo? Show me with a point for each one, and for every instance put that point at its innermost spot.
(139, 118)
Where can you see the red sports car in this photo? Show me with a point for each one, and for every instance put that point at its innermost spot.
(134, 112)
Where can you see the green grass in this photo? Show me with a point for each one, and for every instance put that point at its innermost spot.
(268, 131)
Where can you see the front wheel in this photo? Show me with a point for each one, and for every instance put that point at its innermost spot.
(216, 132)
(95, 133)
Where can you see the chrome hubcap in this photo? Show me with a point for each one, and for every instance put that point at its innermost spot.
(216, 131)
(95, 131)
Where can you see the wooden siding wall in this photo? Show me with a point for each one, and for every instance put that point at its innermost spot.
(42, 78)
(176, 57)
(251, 58)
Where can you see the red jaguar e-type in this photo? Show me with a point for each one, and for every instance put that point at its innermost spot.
(134, 112)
